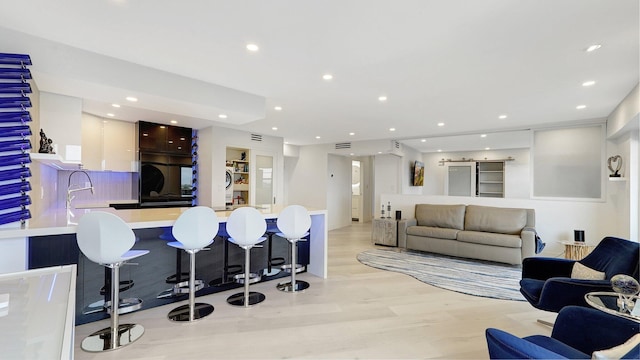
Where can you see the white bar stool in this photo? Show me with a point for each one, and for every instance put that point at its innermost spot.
(195, 229)
(107, 240)
(294, 223)
(245, 226)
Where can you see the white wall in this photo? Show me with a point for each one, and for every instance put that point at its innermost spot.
(625, 115)
(212, 149)
(387, 177)
(406, 170)
(623, 133)
(517, 172)
(338, 191)
(60, 118)
(307, 178)
(555, 220)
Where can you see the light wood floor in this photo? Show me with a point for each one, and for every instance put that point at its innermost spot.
(358, 312)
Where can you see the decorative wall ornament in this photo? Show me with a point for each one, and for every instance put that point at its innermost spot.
(616, 161)
(46, 144)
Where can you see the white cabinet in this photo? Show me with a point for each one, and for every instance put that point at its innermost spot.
(108, 145)
(118, 146)
(91, 142)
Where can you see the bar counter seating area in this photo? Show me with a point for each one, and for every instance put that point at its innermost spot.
(155, 266)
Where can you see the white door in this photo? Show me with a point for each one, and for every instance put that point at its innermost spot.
(264, 180)
(461, 179)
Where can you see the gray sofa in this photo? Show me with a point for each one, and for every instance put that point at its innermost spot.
(480, 232)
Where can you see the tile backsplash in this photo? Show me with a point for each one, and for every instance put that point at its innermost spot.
(108, 186)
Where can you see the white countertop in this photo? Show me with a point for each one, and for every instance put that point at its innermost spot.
(61, 221)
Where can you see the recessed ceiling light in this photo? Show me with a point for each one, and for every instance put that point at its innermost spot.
(173, 121)
(115, 105)
(487, 148)
(162, 126)
(274, 128)
(382, 98)
(145, 134)
(440, 124)
(392, 129)
(423, 140)
(351, 154)
(131, 98)
(483, 135)
(502, 116)
(317, 137)
(327, 77)
(222, 116)
(110, 114)
(252, 47)
(580, 107)
(593, 47)
(379, 152)
(277, 108)
(589, 83)
(439, 150)
(351, 133)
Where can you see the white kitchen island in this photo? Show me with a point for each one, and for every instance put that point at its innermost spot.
(14, 238)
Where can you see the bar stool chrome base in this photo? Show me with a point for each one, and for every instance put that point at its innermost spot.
(238, 299)
(181, 313)
(288, 287)
(101, 340)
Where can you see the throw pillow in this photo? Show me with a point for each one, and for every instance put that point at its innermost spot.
(617, 352)
(580, 271)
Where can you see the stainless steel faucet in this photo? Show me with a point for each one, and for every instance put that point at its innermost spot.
(70, 190)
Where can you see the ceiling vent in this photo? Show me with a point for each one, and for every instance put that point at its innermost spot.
(256, 137)
(344, 145)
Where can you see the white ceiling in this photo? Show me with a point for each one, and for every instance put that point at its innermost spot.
(461, 62)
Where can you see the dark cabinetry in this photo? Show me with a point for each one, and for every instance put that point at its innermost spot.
(166, 165)
(163, 138)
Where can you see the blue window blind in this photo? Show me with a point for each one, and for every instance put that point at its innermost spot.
(14, 138)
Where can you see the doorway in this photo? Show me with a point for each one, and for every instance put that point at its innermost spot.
(356, 191)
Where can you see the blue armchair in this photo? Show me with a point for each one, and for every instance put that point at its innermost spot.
(547, 284)
(577, 333)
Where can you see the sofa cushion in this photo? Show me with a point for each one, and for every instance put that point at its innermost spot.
(495, 220)
(493, 239)
(433, 232)
(442, 216)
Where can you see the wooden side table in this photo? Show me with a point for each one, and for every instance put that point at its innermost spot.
(385, 232)
(576, 250)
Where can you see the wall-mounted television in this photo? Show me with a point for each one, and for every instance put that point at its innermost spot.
(418, 173)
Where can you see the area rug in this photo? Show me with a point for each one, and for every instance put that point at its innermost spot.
(473, 277)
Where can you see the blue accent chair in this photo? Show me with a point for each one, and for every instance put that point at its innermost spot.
(547, 284)
(577, 333)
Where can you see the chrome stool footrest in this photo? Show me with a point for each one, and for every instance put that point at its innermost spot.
(183, 287)
(287, 268)
(253, 278)
(125, 306)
